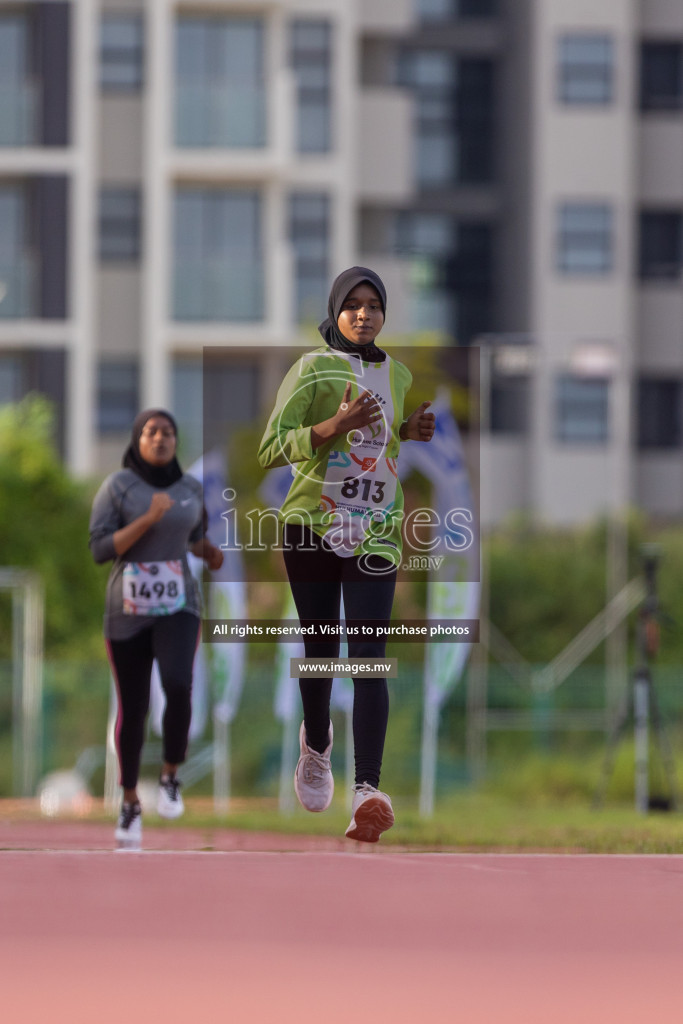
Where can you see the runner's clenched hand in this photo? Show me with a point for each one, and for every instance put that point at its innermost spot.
(159, 506)
(363, 410)
(420, 425)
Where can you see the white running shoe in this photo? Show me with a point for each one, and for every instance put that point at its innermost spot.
(313, 782)
(128, 832)
(371, 814)
(169, 801)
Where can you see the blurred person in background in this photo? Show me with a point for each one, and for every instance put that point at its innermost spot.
(145, 517)
(339, 421)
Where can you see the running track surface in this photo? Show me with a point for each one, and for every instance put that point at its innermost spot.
(330, 933)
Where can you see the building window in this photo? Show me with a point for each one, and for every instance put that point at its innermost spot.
(18, 266)
(119, 224)
(446, 10)
(122, 53)
(218, 262)
(229, 397)
(432, 77)
(455, 116)
(451, 272)
(117, 396)
(19, 87)
(187, 391)
(585, 240)
(469, 273)
(510, 400)
(211, 395)
(220, 82)
(309, 231)
(36, 371)
(661, 245)
(427, 241)
(582, 409)
(661, 76)
(586, 69)
(11, 378)
(659, 413)
(423, 234)
(311, 60)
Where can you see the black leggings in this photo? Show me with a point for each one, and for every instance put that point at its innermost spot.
(172, 640)
(317, 578)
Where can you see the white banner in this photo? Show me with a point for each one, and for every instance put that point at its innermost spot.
(450, 591)
(287, 705)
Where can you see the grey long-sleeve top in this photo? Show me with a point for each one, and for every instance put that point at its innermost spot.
(122, 498)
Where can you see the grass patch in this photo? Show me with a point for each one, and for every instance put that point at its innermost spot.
(470, 821)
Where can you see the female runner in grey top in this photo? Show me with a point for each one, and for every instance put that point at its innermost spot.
(123, 498)
(144, 518)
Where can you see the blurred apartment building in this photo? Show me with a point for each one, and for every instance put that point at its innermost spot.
(176, 174)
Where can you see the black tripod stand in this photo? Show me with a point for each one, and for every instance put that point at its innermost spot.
(642, 703)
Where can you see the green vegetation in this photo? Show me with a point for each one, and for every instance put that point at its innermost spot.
(474, 821)
(545, 585)
(45, 516)
(484, 821)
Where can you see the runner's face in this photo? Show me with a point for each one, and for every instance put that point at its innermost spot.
(157, 442)
(361, 317)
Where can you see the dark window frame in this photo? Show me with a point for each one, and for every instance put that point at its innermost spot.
(653, 98)
(575, 240)
(124, 229)
(462, 10)
(42, 371)
(21, 265)
(571, 409)
(206, 80)
(462, 110)
(660, 258)
(302, 227)
(658, 400)
(510, 399)
(461, 271)
(113, 415)
(131, 57)
(208, 218)
(572, 75)
(31, 82)
(319, 57)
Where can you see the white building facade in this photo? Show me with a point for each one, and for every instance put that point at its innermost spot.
(176, 175)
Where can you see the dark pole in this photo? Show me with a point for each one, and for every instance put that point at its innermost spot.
(647, 643)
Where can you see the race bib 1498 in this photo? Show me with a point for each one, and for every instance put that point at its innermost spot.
(153, 588)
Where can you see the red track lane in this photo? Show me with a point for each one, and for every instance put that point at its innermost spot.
(249, 936)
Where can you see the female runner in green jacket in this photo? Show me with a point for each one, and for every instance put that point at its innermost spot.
(339, 422)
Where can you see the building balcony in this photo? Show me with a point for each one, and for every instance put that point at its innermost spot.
(387, 16)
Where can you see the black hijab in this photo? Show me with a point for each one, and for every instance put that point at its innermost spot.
(341, 287)
(155, 476)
